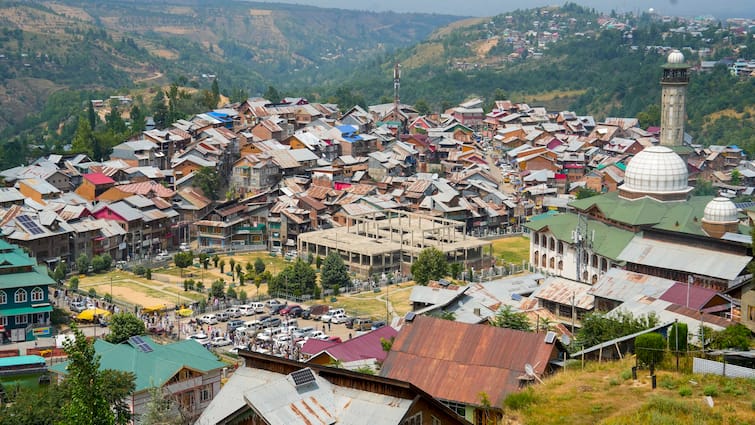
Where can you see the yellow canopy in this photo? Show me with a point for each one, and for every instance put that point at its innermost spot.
(89, 314)
(185, 312)
(154, 308)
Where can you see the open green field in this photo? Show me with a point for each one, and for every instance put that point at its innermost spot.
(513, 249)
(604, 393)
(372, 304)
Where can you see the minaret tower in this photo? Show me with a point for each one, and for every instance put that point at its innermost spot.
(673, 99)
(396, 87)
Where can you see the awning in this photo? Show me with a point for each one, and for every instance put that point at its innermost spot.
(25, 310)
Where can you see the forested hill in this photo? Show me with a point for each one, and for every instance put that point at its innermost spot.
(101, 45)
(574, 58)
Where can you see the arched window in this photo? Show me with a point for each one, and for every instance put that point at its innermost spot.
(552, 263)
(603, 265)
(37, 294)
(594, 261)
(594, 279)
(20, 296)
(585, 275)
(3, 297)
(544, 261)
(552, 244)
(536, 258)
(536, 239)
(560, 248)
(544, 241)
(561, 264)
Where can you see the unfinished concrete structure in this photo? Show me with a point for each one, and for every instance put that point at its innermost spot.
(390, 240)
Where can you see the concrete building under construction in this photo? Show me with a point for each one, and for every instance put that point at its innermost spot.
(390, 241)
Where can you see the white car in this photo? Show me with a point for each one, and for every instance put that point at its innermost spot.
(329, 315)
(201, 338)
(221, 341)
(209, 319)
(339, 318)
(234, 312)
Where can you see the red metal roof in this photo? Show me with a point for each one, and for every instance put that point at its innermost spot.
(699, 297)
(363, 347)
(98, 178)
(456, 361)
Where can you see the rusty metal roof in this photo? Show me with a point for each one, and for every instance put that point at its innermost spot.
(566, 292)
(456, 361)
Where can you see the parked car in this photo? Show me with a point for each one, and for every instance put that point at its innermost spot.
(78, 306)
(245, 309)
(271, 303)
(276, 309)
(258, 307)
(221, 341)
(270, 322)
(223, 316)
(362, 324)
(209, 319)
(184, 247)
(286, 310)
(329, 315)
(377, 325)
(234, 312)
(304, 332)
(201, 338)
(339, 318)
(234, 324)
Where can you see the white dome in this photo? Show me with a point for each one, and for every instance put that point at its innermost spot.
(720, 210)
(656, 169)
(675, 57)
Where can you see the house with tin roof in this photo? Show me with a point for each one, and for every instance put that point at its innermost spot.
(184, 371)
(455, 362)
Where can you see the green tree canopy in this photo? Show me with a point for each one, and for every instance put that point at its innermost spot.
(598, 327)
(259, 266)
(82, 263)
(297, 278)
(183, 260)
(430, 265)
(123, 326)
(208, 180)
(506, 317)
(334, 273)
(650, 348)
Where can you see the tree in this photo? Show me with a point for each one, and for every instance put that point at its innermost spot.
(60, 273)
(422, 107)
(215, 260)
(736, 177)
(204, 260)
(232, 262)
(83, 140)
(242, 295)
(650, 348)
(334, 273)
(455, 269)
(74, 283)
(217, 290)
(586, 192)
(259, 266)
(704, 188)
(430, 265)
(506, 317)
(82, 263)
(162, 410)
(138, 120)
(215, 90)
(183, 260)
(231, 292)
(91, 116)
(159, 110)
(737, 337)
(272, 94)
(598, 327)
(238, 270)
(98, 265)
(222, 265)
(87, 405)
(318, 262)
(677, 337)
(208, 181)
(123, 326)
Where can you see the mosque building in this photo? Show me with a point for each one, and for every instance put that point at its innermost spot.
(652, 225)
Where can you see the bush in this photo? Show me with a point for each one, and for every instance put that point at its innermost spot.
(613, 382)
(627, 374)
(520, 400)
(711, 390)
(73, 283)
(140, 270)
(668, 383)
(685, 391)
(679, 344)
(92, 293)
(650, 348)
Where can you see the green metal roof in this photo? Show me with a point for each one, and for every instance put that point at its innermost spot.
(21, 361)
(156, 367)
(24, 310)
(38, 277)
(609, 241)
(684, 217)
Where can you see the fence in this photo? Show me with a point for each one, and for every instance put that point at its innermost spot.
(721, 369)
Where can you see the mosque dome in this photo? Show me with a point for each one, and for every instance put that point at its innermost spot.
(656, 170)
(720, 210)
(675, 57)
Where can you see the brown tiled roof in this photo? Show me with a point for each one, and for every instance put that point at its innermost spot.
(144, 188)
(456, 361)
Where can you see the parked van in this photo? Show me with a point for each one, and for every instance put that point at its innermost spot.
(268, 334)
(258, 307)
(223, 316)
(362, 324)
(329, 315)
(245, 309)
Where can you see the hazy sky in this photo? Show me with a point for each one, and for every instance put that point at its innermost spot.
(720, 8)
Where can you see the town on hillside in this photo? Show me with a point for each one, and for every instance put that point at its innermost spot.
(639, 226)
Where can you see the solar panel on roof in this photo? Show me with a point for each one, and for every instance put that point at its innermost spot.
(29, 225)
(550, 337)
(303, 377)
(140, 344)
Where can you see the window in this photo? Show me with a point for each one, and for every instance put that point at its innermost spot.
(3, 321)
(560, 247)
(415, 419)
(3, 297)
(206, 393)
(20, 296)
(37, 294)
(22, 319)
(750, 312)
(435, 421)
(458, 408)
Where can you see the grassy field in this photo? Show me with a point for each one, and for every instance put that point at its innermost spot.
(512, 250)
(366, 304)
(604, 393)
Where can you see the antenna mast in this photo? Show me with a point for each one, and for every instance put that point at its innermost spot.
(396, 87)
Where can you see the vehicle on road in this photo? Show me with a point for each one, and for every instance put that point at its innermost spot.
(339, 318)
(78, 306)
(277, 308)
(234, 312)
(304, 332)
(377, 325)
(286, 310)
(234, 324)
(223, 316)
(221, 341)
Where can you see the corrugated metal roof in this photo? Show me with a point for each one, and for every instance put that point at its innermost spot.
(691, 259)
(621, 285)
(456, 361)
(566, 292)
